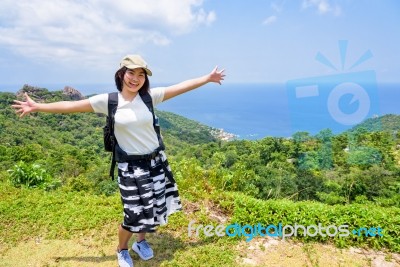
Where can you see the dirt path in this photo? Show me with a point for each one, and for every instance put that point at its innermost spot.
(273, 252)
(258, 252)
(74, 252)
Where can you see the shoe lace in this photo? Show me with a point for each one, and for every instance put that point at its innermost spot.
(125, 254)
(145, 247)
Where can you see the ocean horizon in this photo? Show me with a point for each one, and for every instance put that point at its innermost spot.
(255, 111)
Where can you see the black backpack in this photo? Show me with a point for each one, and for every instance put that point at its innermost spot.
(108, 130)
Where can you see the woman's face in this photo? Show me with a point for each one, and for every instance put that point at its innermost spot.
(134, 79)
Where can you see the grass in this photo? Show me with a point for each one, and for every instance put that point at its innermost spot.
(82, 228)
(28, 213)
(61, 228)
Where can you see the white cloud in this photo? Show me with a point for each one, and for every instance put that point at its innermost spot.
(91, 30)
(270, 20)
(277, 7)
(322, 6)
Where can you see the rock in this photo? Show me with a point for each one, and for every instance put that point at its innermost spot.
(31, 90)
(355, 250)
(249, 261)
(40, 94)
(72, 93)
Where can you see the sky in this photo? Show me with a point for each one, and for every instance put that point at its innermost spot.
(257, 41)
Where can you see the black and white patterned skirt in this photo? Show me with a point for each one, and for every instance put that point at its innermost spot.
(149, 193)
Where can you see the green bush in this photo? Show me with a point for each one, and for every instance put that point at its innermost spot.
(332, 198)
(79, 184)
(29, 175)
(106, 187)
(247, 210)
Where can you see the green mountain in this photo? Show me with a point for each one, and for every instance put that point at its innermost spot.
(388, 123)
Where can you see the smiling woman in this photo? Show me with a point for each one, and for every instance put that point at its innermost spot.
(148, 190)
(133, 76)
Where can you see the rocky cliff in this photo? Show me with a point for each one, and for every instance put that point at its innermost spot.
(73, 93)
(40, 94)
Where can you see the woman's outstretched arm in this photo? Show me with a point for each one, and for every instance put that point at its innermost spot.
(215, 76)
(25, 107)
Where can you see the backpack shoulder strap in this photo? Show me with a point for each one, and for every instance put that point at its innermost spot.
(112, 103)
(112, 108)
(146, 97)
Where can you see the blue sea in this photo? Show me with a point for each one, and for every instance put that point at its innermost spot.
(254, 111)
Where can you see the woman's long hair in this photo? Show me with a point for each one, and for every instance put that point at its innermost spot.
(119, 81)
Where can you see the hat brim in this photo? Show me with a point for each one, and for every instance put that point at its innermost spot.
(133, 66)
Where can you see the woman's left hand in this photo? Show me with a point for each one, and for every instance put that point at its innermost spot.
(216, 76)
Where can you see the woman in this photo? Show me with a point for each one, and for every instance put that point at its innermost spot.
(148, 192)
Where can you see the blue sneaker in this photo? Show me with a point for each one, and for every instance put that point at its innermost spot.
(124, 259)
(143, 249)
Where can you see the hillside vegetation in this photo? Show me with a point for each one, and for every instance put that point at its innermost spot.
(388, 123)
(54, 170)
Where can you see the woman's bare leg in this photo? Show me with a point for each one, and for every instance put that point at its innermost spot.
(123, 238)
(141, 236)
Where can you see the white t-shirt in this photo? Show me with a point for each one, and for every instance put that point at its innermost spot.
(133, 127)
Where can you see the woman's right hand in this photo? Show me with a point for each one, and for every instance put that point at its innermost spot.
(24, 107)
